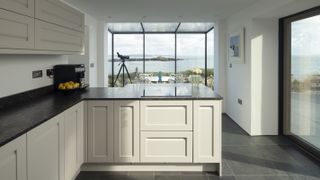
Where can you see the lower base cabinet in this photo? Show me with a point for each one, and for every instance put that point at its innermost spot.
(13, 160)
(44, 147)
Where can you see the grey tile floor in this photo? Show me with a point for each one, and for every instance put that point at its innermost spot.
(244, 158)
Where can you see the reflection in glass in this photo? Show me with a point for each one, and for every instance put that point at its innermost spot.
(160, 27)
(125, 27)
(305, 80)
(195, 27)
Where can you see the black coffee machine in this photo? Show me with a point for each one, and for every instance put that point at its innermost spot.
(69, 72)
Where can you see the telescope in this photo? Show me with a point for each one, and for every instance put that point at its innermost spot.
(122, 57)
(123, 69)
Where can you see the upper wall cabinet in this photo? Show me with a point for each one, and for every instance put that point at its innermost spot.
(16, 31)
(57, 38)
(55, 11)
(40, 27)
(25, 7)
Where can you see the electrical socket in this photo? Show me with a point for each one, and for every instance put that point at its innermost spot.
(50, 72)
(37, 74)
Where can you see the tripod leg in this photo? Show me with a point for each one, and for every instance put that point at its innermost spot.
(128, 73)
(118, 75)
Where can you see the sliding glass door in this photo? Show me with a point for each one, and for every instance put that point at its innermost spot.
(302, 78)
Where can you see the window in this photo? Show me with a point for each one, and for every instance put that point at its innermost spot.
(160, 54)
(190, 55)
(128, 45)
(301, 76)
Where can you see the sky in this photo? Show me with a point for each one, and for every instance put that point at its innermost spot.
(163, 44)
(306, 36)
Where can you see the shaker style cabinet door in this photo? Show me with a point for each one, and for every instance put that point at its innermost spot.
(59, 13)
(73, 140)
(13, 160)
(126, 131)
(25, 7)
(100, 131)
(207, 131)
(56, 38)
(44, 147)
(17, 31)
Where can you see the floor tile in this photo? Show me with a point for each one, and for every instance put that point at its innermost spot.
(263, 178)
(244, 158)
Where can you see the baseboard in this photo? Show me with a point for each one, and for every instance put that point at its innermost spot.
(151, 167)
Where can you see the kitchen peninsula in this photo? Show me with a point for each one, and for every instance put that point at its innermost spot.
(156, 127)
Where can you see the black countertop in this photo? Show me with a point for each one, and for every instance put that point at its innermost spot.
(19, 118)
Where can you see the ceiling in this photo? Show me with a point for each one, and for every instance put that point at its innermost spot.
(161, 10)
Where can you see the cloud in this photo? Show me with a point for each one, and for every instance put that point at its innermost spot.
(306, 36)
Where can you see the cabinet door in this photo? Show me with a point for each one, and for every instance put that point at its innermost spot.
(100, 131)
(16, 32)
(166, 115)
(57, 12)
(166, 147)
(25, 7)
(207, 131)
(57, 38)
(13, 160)
(126, 131)
(74, 140)
(43, 150)
(79, 111)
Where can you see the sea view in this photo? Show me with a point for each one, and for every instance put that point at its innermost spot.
(183, 64)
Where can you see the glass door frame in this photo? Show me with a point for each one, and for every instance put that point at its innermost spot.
(285, 79)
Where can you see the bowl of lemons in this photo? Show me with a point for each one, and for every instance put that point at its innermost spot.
(69, 86)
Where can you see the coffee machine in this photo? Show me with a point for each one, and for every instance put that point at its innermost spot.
(69, 72)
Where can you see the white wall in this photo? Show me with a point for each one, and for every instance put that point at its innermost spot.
(16, 72)
(102, 54)
(90, 55)
(220, 62)
(256, 81)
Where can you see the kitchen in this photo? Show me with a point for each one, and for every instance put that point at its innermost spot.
(63, 116)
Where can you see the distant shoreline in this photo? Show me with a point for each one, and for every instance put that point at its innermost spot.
(147, 59)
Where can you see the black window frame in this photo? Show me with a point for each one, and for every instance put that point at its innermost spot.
(175, 55)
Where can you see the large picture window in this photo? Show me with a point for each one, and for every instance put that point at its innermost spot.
(161, 52)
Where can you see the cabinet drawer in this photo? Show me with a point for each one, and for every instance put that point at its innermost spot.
(166, 115)
(57, 38)
(57, 12)
(166, 147)
(25, 7)
(17, 31)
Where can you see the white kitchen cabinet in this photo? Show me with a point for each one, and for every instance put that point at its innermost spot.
(25, 7)
(73, 140)
(17, 31)
(100, 131)
(44, 150)
(166, 147)
(57, 12)
(13, 160)
(126, 131)
(207, 131)
(56, 38)
(166, 115)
